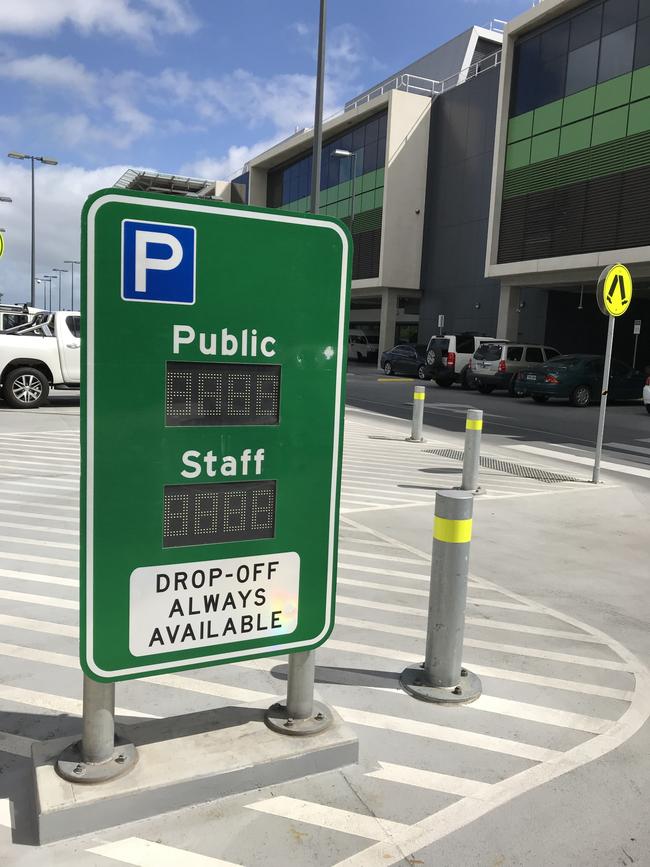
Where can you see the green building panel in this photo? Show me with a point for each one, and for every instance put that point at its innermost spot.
(613, 93)
(548, 117)
(610, 125)
(545, 146)
(576, 136)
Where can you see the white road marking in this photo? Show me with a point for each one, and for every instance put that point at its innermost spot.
(584, 461)
(174, 681)
(39, 496)
(373, 570)
(33, 599)
(379, 606)
(552, 682)
(5, 803)
(12, 465)
(448, 734)
(17, 745)
(383, 557)
(372, 542)
(34, 558)
(38, 529)
(62, 486)
(43, 515)
(39, 626)
(629, 448)
(431, 780)
(333, 818)
(19, 540)
(532, 630)
(544, 715)
(408, 591)
(58, 703)
(143, 853)
(518, 650)
(37, 576)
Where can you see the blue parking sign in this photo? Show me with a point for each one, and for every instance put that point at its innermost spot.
(158, 262)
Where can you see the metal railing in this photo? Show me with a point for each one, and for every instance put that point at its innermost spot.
(413, 84)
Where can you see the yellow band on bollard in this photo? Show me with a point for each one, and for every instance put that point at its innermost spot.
(446, 530)
(417, 395)
(474, 424)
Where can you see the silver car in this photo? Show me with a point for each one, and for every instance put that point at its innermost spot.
(496, 365)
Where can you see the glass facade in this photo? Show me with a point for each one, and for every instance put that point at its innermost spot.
(289, 187)
(579, 134)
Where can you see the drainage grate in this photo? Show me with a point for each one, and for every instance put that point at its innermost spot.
(520, 470)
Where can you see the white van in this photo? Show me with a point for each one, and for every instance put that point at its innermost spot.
(359, 347)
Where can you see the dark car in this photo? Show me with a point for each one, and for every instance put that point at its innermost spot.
(407, 358)
(579, 378)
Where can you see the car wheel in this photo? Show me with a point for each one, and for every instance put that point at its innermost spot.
(444, 383)
(580, 396)
(540, 398)
(388, 369)
(485, 389)
(25, 388)
(421, 373)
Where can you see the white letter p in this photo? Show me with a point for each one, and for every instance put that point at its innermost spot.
(143, 263)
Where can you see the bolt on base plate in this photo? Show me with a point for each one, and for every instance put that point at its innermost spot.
(412, 680)
(71, 766)
(414, 440)
(278, 720)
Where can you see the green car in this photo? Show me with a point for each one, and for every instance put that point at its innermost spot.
(579, 378)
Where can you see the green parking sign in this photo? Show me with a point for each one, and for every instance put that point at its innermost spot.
(214, 358)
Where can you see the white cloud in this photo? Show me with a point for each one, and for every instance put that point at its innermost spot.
(221, 168)
(136, 19)
(60, 193)
(44, 70)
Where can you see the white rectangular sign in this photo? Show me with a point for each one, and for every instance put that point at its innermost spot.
(188, 605)
(637, 326)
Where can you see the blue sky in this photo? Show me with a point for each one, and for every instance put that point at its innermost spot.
(183, 86)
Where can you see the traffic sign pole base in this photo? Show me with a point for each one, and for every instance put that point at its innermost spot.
(278, 720)
(71, 766)
(414, 439)
(191, 759)
(468, 689)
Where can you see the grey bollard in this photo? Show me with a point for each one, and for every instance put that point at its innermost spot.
(472, 455)
(301, 715)
(442, 678)
(418, 415)
(99, 756)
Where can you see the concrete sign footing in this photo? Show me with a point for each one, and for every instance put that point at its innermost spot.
(183, 761)
(278, 720)
(71, 766)
(468, 688)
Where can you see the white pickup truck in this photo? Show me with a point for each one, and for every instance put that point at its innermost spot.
(40, 355)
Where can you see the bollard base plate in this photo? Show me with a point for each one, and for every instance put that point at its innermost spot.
(278, 720)
(468, 689)
(71, 766)
(414, 439)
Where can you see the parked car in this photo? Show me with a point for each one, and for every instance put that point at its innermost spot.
(360, 347)
(448, 357)
(579, 378)
(496, 364)
(407, 358)
(646, 394)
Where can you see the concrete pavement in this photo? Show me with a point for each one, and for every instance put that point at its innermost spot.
(548, 767)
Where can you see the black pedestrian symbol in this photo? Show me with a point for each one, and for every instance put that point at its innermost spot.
(618, 283)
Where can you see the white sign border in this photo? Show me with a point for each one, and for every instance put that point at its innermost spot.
(90, 397)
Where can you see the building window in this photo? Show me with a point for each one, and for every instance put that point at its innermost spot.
(289, 187)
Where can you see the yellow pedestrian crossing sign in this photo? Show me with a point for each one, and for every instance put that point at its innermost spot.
(2, 245)
(614, 290)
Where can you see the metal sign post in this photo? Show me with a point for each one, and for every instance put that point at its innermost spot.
(614, 294)
(637, 331)
(215, 335)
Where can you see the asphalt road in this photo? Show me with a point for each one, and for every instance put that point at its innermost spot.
(520, 420)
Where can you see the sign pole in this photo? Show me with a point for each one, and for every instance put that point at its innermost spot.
(302, 716)
(603, 400)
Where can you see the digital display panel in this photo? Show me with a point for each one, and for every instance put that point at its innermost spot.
(218, 512)
(201, 393)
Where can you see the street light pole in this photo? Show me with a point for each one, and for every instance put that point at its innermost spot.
(60, 271)
(48, 161)
(343, 154)
(71, 263)
(48, 303)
